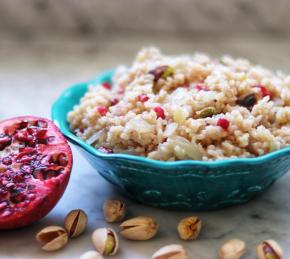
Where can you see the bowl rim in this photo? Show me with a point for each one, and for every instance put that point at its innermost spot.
(104, 76)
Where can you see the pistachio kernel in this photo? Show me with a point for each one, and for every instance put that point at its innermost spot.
(106, 241)
(206, 112)
(161, 72)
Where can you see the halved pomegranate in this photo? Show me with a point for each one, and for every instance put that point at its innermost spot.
(35, 165)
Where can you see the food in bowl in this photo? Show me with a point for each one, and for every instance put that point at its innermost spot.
(186, 108)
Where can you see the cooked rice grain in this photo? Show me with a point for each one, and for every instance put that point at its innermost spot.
(183, 88)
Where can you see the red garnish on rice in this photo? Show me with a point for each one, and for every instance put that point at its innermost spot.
(143, 98)
(106, 150)
(102, 110)
(114, 101)
(223, 123)
(107, 85)
(202, 88)
(265, 91)
(159, 112)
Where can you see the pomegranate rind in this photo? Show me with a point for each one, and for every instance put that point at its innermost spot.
(48, 191)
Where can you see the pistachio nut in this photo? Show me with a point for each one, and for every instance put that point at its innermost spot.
(206, 112)
(269, 249)
(139, 228)
(189, 228)
(75, 222)
(232, 249)
(161, 72)
(52, 238)
(106, 241)
(171, 252)
(91, 255)
(114, 210)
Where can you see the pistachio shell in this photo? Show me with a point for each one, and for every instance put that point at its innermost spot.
(139, 228)
(106, 241)
(75, 222)
(114, 210)
(189, 228)
(91, 255)
(232, 249)
(171, 252)
(269, 249)
(52, 238)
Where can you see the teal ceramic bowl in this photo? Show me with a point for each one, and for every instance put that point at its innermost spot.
(191, 185)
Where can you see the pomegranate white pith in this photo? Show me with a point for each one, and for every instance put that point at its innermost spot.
(35, 165)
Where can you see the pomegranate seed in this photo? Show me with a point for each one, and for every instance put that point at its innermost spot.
(19, 197)
(26, 169)
(202, 88)
(26, 150)
(143, 98)
(22, 136)
(5, 141)
(159, 112)
(6, 213)
(41, 134)
(223, 123)
(106, 150)
(31, 130)
(23, 124)
(120, 91)
(10, 185)
(3, 205)
(107, 85)
(7, 160)
(265, 91)
(3, 193)
(17, 177)
(102, 110)
(114, 101)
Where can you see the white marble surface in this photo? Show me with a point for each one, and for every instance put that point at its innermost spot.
(32, 75)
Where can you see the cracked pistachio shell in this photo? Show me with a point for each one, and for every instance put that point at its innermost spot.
(139, 228)
(189, 228)
(52, 238)
(232, 249)
(269, 249)
(91, 255)
(171, 252)
(75, 222)
(106, 241)
(114, 210)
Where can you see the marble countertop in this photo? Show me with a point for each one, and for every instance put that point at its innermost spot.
(32, 75)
